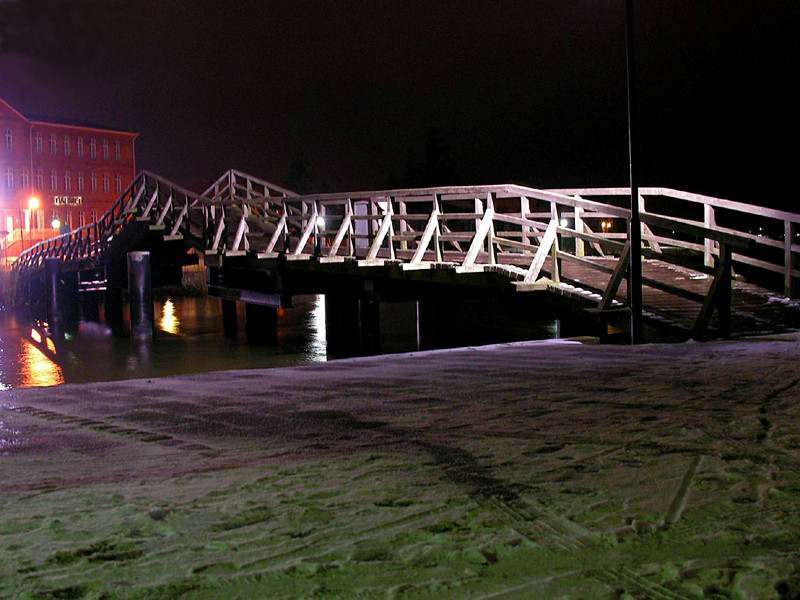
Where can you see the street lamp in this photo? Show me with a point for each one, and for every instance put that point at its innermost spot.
(634, 224)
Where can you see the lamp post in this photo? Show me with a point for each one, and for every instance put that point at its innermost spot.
(634, 223)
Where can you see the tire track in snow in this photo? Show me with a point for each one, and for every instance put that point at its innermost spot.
(140, 435)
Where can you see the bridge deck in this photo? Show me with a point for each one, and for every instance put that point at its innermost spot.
(505, 236)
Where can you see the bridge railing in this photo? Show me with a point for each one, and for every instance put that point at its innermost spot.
(523, 232)
(150, 198)
(773, 235)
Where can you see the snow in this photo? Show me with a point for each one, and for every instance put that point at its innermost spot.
(534, 470)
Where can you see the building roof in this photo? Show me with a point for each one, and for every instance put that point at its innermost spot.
(65, 122)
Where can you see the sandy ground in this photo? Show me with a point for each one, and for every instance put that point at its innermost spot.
(523, 471)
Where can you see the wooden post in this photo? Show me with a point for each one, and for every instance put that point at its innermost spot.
(709, 221)
(788, 259)
(580, 251)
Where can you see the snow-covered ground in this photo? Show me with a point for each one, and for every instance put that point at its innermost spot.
(543, 470)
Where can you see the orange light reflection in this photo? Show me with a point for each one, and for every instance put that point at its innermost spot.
(36, 370)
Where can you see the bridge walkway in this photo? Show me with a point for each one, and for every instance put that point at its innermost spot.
(563, 248)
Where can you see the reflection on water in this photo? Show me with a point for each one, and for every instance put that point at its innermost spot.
(168, 322)
(36, 369)
(189, 339)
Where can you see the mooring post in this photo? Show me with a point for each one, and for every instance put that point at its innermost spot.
(140, 295)
(52, 274)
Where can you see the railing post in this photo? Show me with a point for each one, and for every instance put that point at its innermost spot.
(709, 221)
(556, 273)
(788, 259)
(524, 209)
(580, 251)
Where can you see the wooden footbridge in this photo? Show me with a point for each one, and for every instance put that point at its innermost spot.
(711, 267)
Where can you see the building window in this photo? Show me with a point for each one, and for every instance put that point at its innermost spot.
(93, 148)
(105, 149)
(38, 142)
(93, 216)
(79, 146)
(53, 180)
(117, 150)
(80, 181)
(67, 181)
(39, 179)
(66, 146)
(9, 140)
(25, 179)
(10, 178)
(81, 218)
(93, 182)
(118, 184)
(53, 149)
(106, 183)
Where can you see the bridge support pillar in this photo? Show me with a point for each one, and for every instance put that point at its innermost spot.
(140, 294)
(370, 325)
(230, 325)
(342, 324)
(90, 306)
(52, 274)
(70, 301)
(261, 324)
(437, 323)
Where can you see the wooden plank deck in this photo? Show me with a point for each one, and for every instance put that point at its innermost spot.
(754, 310)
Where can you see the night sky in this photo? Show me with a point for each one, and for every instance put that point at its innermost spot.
(343, 95)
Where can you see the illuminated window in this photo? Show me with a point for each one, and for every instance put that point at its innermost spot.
(9, 140)
(9, 178)
(118, 183)
(66, 146)
(53, 180)
(117, 150)
(53, 143)
(93, 148)
(106, 183)
(93, 182)
(80, 181)
(25, 179)
(67, 181)
(39, 179)
(38, 142)
(105, 149)
(93, 216)
(79, 146)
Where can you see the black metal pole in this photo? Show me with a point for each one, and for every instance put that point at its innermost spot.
(634, 224)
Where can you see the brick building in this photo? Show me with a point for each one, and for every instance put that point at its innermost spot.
(54, 171)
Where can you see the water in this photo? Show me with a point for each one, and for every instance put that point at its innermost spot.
(189, 339)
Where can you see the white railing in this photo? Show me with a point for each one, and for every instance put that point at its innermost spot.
(774, 235)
